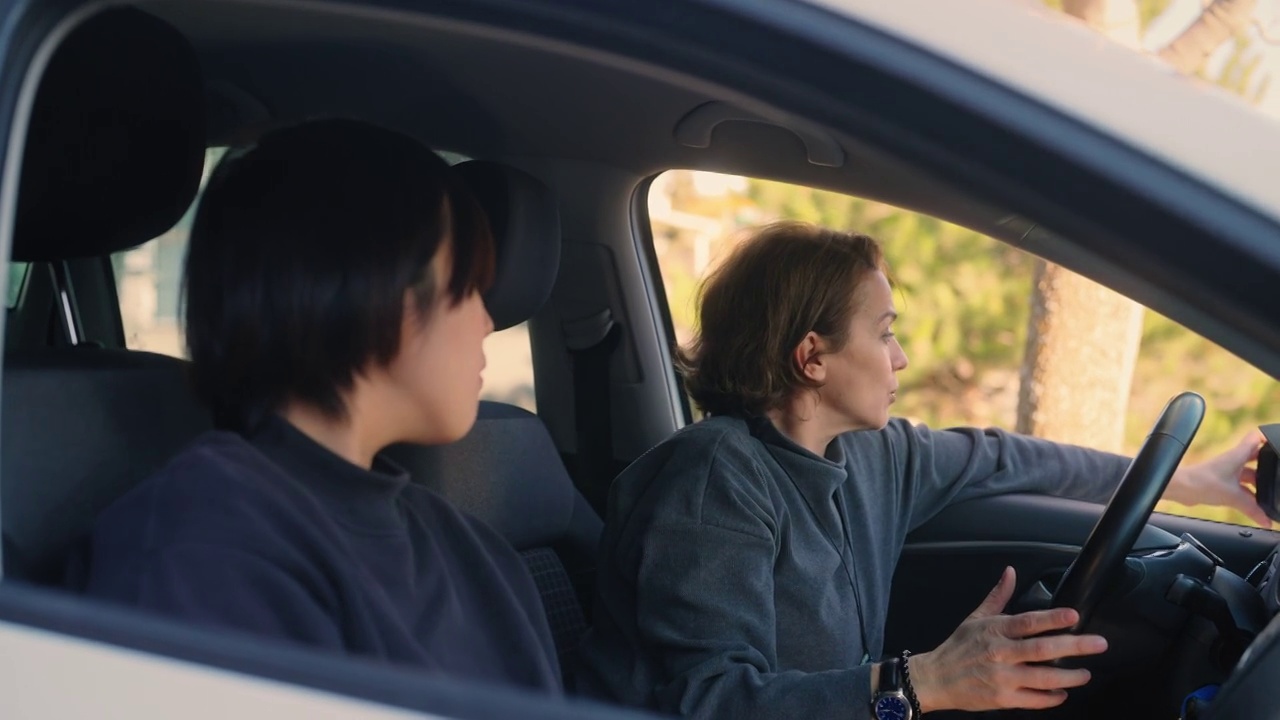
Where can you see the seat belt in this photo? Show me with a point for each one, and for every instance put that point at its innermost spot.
(591, 342)
(68, 308)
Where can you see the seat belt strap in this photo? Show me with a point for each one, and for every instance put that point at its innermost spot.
(591, 342)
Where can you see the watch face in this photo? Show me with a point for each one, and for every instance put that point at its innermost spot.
(892, 707)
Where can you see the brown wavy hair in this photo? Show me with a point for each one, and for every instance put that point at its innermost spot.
(785, 280)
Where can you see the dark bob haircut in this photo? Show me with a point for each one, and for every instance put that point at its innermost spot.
(784, 281)
(301, 254)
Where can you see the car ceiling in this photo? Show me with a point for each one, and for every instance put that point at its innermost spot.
(494, 94)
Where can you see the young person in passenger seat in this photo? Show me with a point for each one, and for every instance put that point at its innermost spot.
(747, 560)
(332, 308)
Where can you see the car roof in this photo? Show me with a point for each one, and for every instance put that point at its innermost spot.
(492, 94)
(1066, 65)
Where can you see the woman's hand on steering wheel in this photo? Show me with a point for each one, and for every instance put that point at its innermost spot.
(995, 661)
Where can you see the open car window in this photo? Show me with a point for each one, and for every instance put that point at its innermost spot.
(968, 305)
(17, 282)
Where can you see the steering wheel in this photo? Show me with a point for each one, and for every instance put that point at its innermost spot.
(1130, 507)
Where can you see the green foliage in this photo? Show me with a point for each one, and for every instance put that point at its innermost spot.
(1173, 359)
(682, 292)
(1149, 10)
(17, 278)
(1240, 73)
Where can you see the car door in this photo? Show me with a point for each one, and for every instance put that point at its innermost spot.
(858, 68)
(949, 564)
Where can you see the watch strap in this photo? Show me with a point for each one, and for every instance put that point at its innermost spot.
(889, 702)
(890, 676)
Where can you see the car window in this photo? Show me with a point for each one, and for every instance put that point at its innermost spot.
(18, 272)
(149, 285)
(968, 304)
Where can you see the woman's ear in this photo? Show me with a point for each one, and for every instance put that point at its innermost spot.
(808, 357)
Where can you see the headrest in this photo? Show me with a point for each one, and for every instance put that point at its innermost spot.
(526, 228)
(115, 146)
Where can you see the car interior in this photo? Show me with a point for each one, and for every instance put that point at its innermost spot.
(564, 138)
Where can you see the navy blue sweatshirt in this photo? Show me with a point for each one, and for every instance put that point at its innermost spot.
(743, 576)
(278, 536)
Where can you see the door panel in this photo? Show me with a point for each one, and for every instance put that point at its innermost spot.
(63, 656)
(938, 584)
(949, 564)
(37, 666)
(1241, 548)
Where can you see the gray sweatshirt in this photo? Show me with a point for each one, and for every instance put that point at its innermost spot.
(742, 576)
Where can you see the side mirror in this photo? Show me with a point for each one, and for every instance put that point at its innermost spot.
(1269, 472)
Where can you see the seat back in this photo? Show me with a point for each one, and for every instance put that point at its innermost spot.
(507, 471)
(114, 154)
(82, 426)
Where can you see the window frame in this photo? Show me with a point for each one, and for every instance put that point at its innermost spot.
(930, 96)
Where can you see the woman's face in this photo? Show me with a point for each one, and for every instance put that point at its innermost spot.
(435, 380)
(859, 381)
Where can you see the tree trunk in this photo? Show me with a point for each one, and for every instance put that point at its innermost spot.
(1218, 23)
(1082, 344)
(1082, 339)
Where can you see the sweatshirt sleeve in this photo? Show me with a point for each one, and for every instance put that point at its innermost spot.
(941, 467)
(705, 604)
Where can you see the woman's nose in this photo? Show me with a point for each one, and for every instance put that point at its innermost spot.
(900, 357)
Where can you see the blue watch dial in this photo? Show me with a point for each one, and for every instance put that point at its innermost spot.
(892, 708)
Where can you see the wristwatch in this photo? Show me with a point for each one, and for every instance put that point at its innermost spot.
(890, 701)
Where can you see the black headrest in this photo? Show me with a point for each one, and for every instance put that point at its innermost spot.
(526, 227)
(82, 426)
(507, 472)
(115, 147)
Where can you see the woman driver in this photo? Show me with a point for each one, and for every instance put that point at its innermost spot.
(747, 560)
